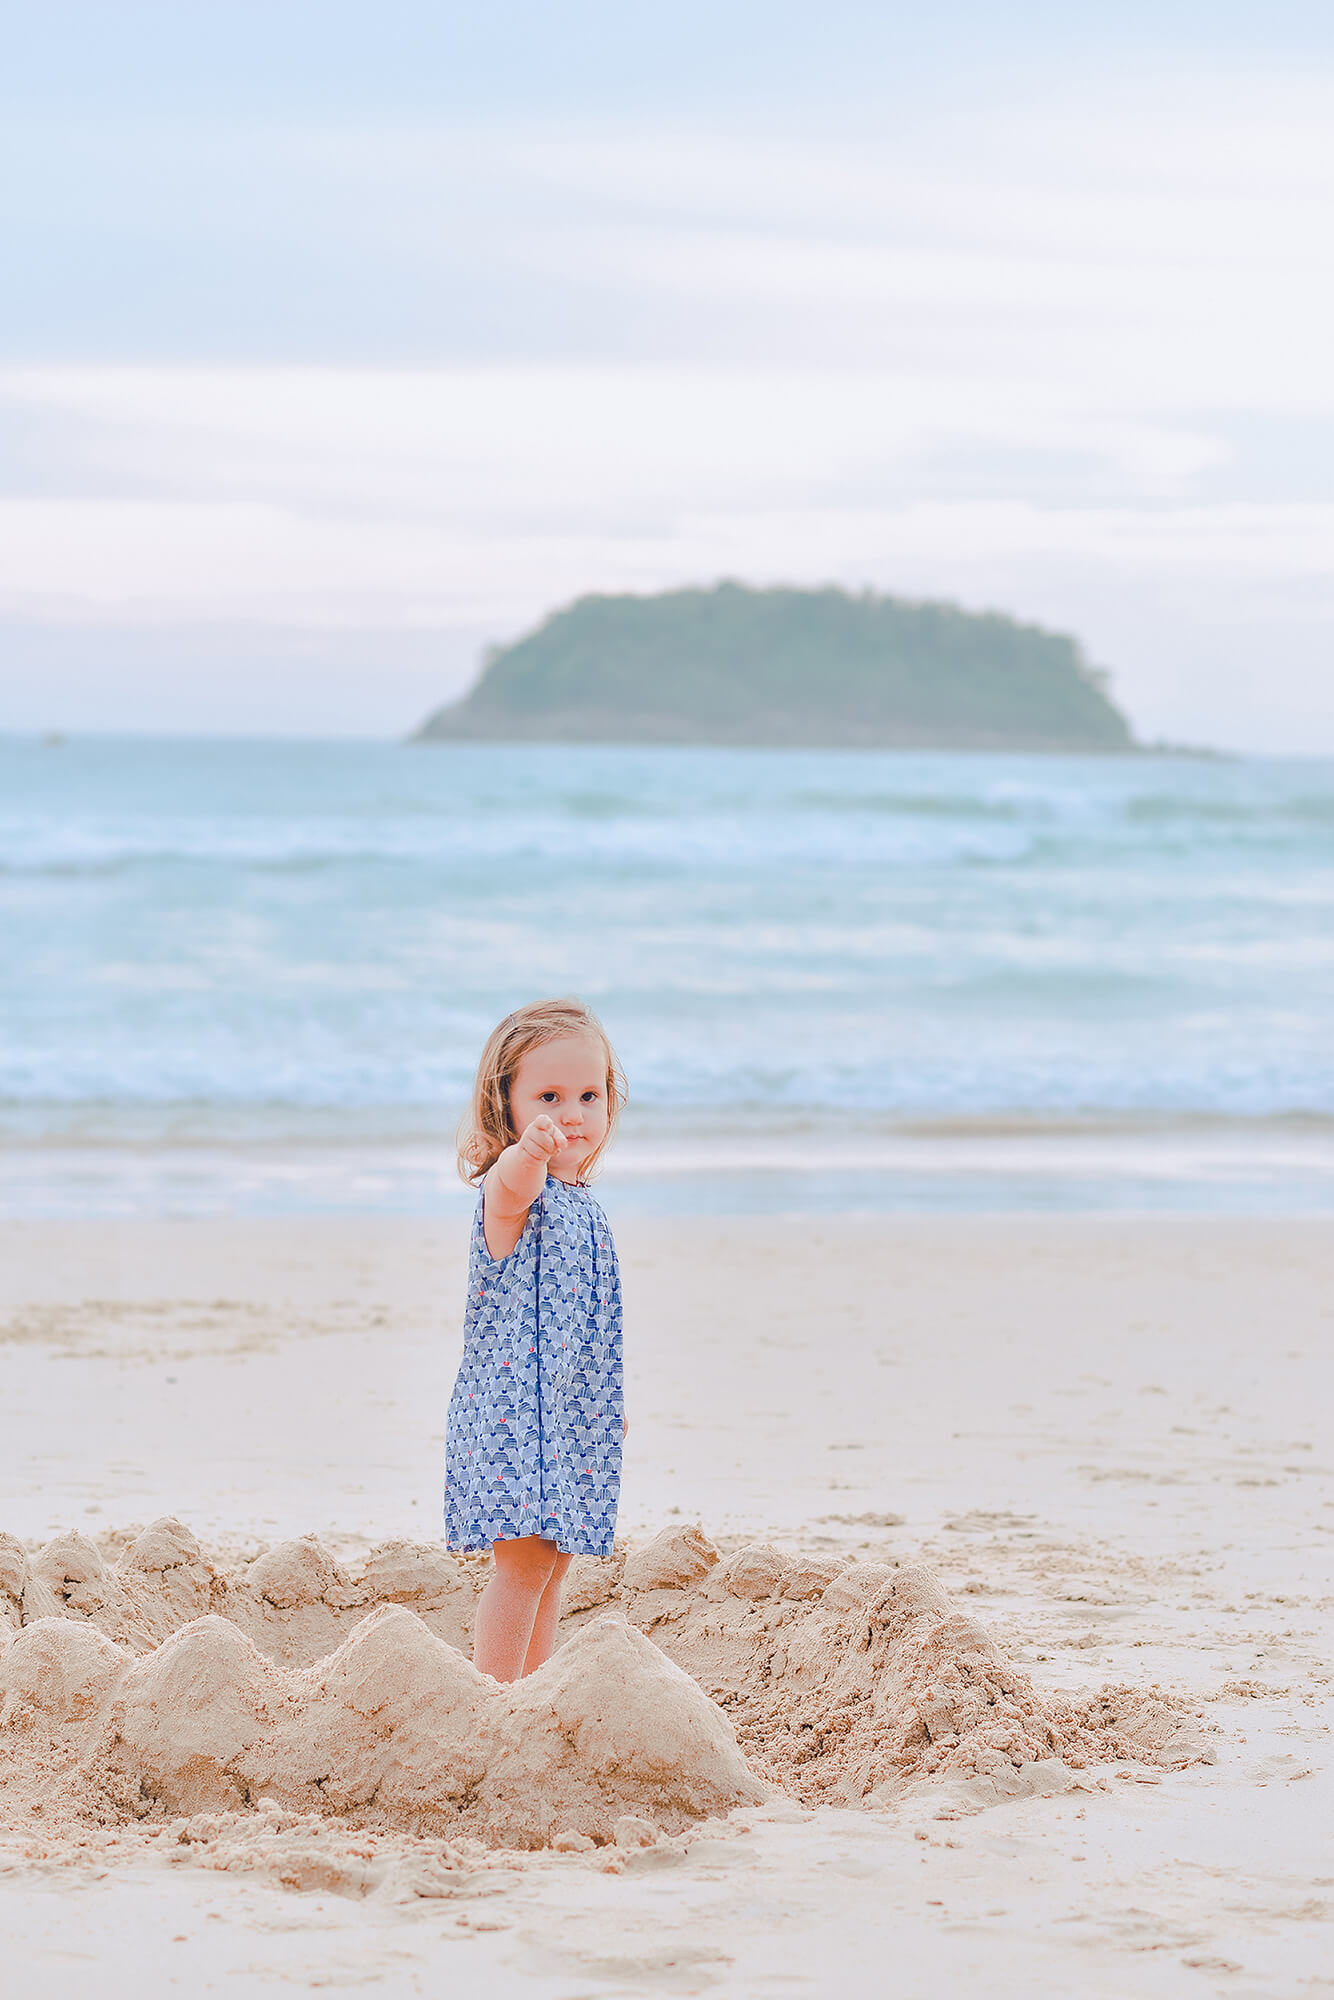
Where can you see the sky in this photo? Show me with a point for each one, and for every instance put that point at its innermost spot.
(339, 341)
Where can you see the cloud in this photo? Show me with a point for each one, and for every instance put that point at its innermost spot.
(1059, 351)
(1109, 231)
(315, 496)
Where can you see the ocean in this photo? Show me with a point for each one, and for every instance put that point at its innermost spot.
(254, 976)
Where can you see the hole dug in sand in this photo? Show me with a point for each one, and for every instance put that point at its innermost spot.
(168, 1687)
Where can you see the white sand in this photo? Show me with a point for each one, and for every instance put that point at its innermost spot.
(1109, 1439)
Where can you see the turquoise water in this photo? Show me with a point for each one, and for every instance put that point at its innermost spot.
(256, 975)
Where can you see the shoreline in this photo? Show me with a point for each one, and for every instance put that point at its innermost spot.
(783, 1163)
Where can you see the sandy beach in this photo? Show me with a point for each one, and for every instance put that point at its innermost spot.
(1105, 1440)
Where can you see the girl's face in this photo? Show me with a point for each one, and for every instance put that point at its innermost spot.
(565, 1081)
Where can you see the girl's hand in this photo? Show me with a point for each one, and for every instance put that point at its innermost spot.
(516, 1181)
(541, 1139)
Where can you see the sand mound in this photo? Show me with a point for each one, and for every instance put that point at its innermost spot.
(394, 1730)
(167, 1685)
(295, 1600)
(855, 1682)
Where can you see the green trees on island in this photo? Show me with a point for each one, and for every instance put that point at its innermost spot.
(818, 668)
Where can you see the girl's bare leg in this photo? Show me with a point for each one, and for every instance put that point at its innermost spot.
(544, 1624)
(507, 1609)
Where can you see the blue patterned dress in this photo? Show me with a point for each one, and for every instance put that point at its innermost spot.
(533, 1444)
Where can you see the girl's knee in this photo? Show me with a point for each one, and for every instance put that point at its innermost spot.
(529, 1561)
(556, 1578)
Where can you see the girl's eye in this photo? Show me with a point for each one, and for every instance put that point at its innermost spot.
(546, 1097)
(592, 1096)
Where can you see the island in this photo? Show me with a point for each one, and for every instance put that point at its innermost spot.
(819, 669)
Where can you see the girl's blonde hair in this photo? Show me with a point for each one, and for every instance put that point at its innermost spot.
(488, 1127)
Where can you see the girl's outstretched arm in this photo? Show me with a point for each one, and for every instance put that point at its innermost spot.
(515, 1181)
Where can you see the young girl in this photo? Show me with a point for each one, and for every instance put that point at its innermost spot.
(533, 1445)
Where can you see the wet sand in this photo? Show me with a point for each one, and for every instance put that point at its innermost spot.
(1108, 1439)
